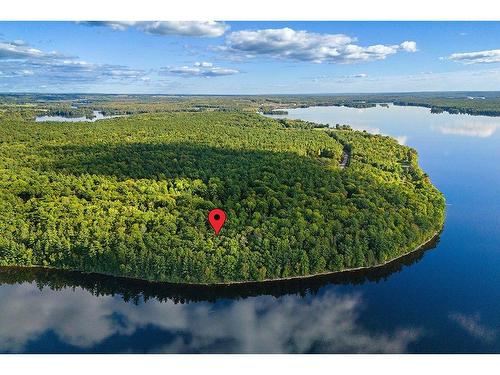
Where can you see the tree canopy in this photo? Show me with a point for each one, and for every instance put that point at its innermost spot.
(130, 197)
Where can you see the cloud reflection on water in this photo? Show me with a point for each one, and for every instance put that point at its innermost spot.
(402, 139)
(326, 323)
(472, 129)
(368, 129)
(473, 326)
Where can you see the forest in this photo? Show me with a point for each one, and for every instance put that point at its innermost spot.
(129, 196)
(79, 105)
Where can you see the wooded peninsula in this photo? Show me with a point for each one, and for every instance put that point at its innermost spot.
(129, 196)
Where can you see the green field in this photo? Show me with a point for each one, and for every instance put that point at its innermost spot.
(130, 197)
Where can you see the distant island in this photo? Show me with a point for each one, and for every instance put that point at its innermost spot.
(129, 196)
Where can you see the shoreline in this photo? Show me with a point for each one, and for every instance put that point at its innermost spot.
(326, 273)
(242, 283)
(394, 103)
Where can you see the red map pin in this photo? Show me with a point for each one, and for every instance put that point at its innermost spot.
(216, 218)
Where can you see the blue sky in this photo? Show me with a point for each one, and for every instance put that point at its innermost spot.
(248, 57)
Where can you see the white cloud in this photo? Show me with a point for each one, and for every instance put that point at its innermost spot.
(302, 45)
(18, 50)
(409, 46)
(34, 66)
(26, 72)
(204, 64)
(200, 69)
(479, 57)
(183, 28)
(115, 25)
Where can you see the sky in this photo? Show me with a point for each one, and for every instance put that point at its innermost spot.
(216, 57)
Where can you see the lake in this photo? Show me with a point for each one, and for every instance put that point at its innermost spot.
(96, 116)
(443, 299)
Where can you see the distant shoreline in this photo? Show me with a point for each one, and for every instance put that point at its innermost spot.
(434, 109)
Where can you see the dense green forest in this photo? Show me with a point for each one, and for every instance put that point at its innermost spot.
(129, 196)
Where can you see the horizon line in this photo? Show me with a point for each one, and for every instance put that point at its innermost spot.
(261, 94)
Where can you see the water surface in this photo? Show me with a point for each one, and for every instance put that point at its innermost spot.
(445, 299)
(96, 115)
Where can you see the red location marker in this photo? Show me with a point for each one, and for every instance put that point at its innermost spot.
(216, 218)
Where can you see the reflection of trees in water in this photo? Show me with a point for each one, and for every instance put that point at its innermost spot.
(130, 289)
(81, 322)
(90, 313)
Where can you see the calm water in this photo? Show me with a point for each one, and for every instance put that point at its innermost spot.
(445, 299)
(97, 116)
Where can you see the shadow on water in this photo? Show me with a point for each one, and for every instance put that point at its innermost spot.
(136, 290)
